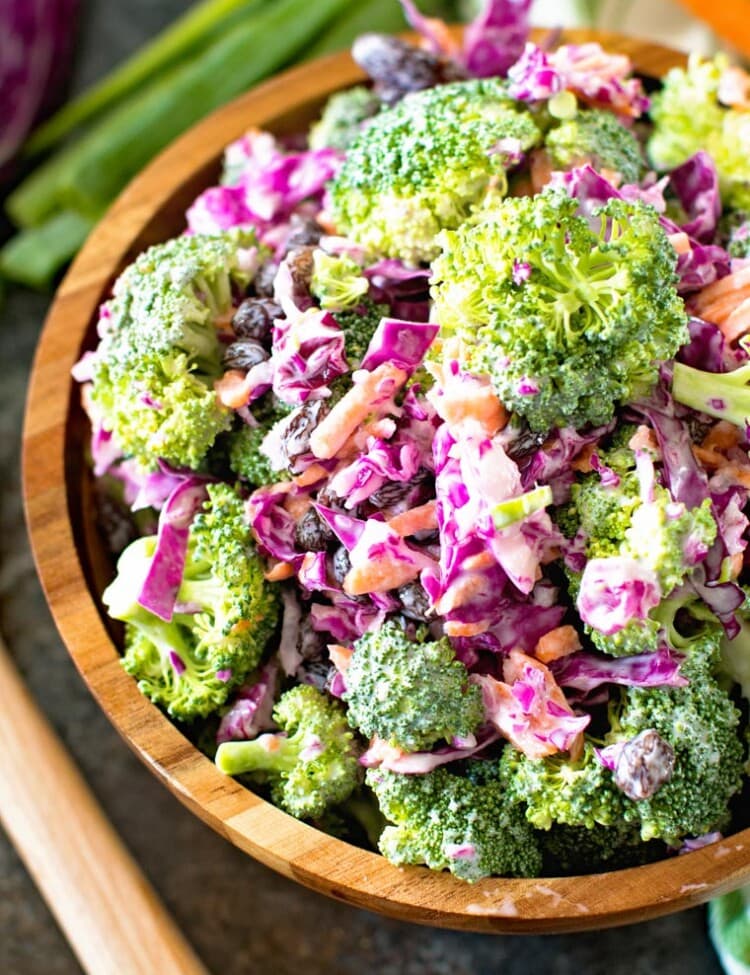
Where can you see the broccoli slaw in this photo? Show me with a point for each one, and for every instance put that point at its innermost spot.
(426, 451)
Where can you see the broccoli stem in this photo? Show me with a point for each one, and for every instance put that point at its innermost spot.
(725, 395)
(268, 753)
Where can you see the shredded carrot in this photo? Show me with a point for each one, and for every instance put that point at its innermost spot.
(420, 519)
(297, 504)
(709, 457)
(354, 407)
(722, 436)
(454, 628)
(582, 462)
(736, 563)
(280, 571)
(340, 656)
(470, 401)
(730, 284)
(223, 322)
(314, 473)
(560, 642)
(378, 575)
(738, 323)
(680, 242)
(232, 389)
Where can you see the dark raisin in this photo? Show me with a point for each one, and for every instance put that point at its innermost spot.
(341, 564)
(299, 428)
(397, 67)
(415, 603)
(264, 279)
(527, 442)
(312, 534)
(301, 264)
(244, 354)
(303, 233)
(254, 319)
(393, 492)
(644, 765)
(310, 643)
(114, 521)
(319, 673)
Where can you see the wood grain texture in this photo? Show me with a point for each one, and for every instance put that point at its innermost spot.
(152, 209)
(108, 911)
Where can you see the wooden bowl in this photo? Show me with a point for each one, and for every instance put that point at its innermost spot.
(73, 569)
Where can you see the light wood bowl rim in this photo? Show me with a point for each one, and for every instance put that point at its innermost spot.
(292, 848)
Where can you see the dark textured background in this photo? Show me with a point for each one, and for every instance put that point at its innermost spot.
(241, 917)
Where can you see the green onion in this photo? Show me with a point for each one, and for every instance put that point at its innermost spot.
(88, 174)
(202, 24)
(514, 509)
(34, 256)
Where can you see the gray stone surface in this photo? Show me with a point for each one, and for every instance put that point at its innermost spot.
(241, 917)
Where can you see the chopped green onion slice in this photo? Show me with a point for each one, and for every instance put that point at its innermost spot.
(563, 105)
(515, 509)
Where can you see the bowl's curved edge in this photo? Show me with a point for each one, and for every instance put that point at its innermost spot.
(292, 848)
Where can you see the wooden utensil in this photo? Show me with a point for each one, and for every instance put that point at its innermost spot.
(74, 569)
(111, 916)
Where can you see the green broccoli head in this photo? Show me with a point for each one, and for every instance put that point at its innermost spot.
(577, 850)
(311, 765)
(160, 355)
(337, 281)
(190, 664)
(567, 321)
(688, 116)
(358, 325)
(661, 535)
(422, 165)
(342, 118)
(599, 138)
(699, 725)
(411, 693)
(560, 790)
(246, 458)
(449, 822)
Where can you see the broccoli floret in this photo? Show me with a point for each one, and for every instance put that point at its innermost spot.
(698, 722)
(190, 664)
(358, 326)
(160, 355)
(337, 281)
(725, 395)
(567, 321)
(422, 165)
(576, 849)
(311, 764)
(599, 138)
(342, 118)
(734, 230)
(245, 456)
(688, 116)
(448, 822)
(411, 693)
(658, 534)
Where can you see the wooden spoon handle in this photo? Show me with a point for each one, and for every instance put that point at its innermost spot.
(109, 913)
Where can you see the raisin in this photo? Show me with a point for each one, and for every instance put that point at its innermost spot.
(527, 442)
(398, 68)
(310, 643)
(312, 534)
(254, 319)
(299, 428)
(264, 279)
(392, 492)
(644, 765)
(303, 233)
(319, 673)
(415, 603)
(244, 354)
(341, 564)
(302, 265)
